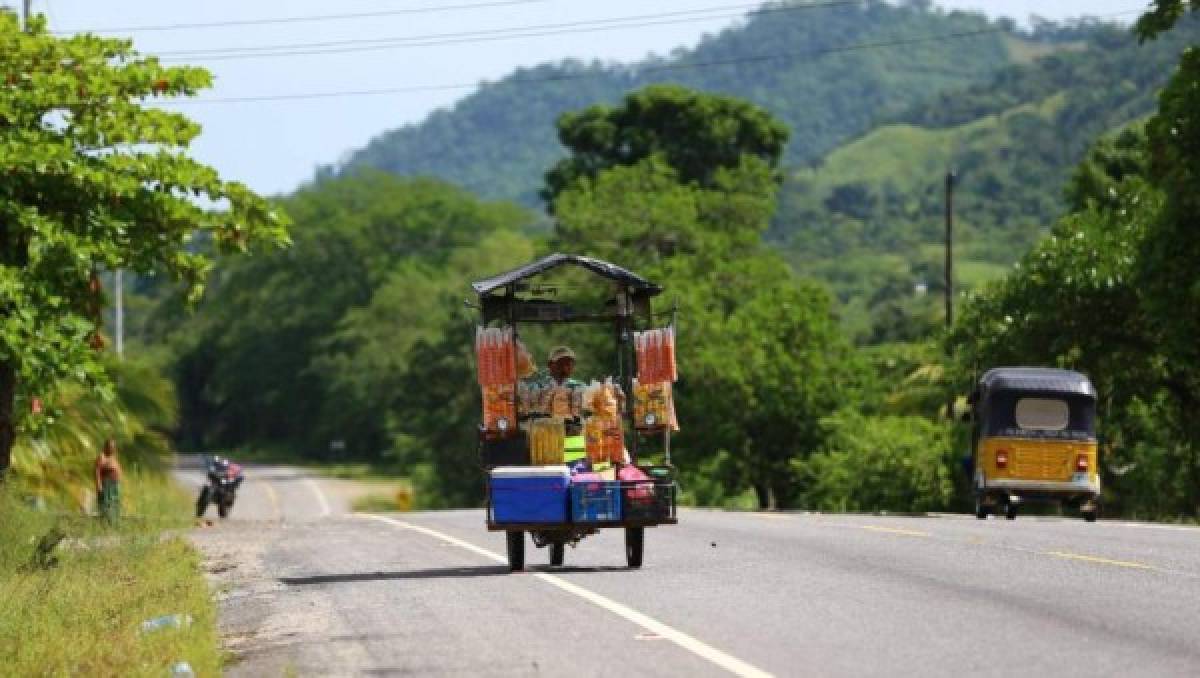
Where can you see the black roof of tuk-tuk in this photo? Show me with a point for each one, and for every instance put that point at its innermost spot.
(1036, 379)
(639, 285)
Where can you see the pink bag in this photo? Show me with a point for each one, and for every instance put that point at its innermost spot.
(628, 475)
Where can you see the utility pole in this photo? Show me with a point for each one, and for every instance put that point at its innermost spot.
(26, 6)
(120, 329)
(950, 179)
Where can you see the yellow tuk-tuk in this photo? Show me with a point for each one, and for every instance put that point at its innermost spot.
(1034, 438)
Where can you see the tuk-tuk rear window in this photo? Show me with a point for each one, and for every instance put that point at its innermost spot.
(1042, 414)
(1009, 413)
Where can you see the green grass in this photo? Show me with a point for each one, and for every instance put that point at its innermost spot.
(392, 496)
(908, 155)
(83, 616)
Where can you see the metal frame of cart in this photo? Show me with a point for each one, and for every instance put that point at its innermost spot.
(511, 300)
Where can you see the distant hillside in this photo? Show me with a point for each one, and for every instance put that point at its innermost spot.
(824, 71)
(869, 216)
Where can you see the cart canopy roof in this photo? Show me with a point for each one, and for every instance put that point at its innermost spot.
(1036, 379)
(636, 283)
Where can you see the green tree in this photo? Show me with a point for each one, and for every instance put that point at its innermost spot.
(307, 346)
(761, 358)
(696, 134)
(872, 463)
(95, 180)
(1162, 17)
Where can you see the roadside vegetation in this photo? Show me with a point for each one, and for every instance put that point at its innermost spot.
(96, 180)
(78, 608)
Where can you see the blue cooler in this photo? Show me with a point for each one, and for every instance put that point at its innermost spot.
(529, 494)
(595, 501)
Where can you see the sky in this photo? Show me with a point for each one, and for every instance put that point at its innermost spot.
(273, 146)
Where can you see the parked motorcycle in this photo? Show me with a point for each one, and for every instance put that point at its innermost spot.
(224, 478)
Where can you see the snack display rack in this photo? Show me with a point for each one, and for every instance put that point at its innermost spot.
(546, 501)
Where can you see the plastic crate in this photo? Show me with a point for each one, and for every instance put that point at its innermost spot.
(595, 501)
(648, 500)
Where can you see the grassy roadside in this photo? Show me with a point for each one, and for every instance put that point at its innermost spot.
(83, 616)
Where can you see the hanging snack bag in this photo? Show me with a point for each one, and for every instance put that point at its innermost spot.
(495, 355)
(499, 408)
(650, 405)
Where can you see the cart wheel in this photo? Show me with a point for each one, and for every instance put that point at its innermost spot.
(981, 509)
(516, 550)
(558, 552)
(635, 540)
(1010, 511)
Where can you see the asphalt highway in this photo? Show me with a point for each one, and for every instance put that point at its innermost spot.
(308, 588)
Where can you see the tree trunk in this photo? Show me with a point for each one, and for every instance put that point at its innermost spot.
(8, 429)
(764, 496)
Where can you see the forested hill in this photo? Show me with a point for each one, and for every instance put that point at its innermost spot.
(868, 217)
(830, 71)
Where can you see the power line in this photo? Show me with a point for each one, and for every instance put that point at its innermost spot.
(434, 39)
(487, 35)
(582, 76)
(303, 19)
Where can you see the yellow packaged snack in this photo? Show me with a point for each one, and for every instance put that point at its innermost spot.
(546, 442)
(651, 405)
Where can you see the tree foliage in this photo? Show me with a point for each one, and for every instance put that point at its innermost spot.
(696, 135)
(1110, 293)
(877, 463)
(94, 179)
(760, 353)
(870, 215)
(313, 345)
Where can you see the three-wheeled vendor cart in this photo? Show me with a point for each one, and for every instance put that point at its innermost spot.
(514, 298)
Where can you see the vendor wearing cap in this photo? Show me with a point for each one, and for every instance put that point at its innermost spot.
(555, 393)
(564, 399)
(562, 396)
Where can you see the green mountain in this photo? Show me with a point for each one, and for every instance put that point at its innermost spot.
(831, 72)
(869, 217)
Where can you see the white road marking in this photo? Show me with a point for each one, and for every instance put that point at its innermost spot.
(325, 510)
(728, 662)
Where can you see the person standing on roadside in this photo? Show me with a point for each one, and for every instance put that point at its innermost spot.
(108, 482)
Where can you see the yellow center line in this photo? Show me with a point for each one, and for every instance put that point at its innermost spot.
(894, 530)
(273, 497)
(1101, 561)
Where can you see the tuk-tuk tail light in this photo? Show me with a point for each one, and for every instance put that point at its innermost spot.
(1001, 458)
(1081, 463)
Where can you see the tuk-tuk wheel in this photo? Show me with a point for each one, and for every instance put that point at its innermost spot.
(1091, 515)
(516, 550)
(558, 552)
(635, 539)
(1010, 511)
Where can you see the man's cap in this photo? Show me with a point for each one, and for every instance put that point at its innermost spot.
(561, 352)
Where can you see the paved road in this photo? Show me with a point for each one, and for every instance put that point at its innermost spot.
(310, 589)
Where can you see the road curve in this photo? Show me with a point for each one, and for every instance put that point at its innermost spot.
(310, 589)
